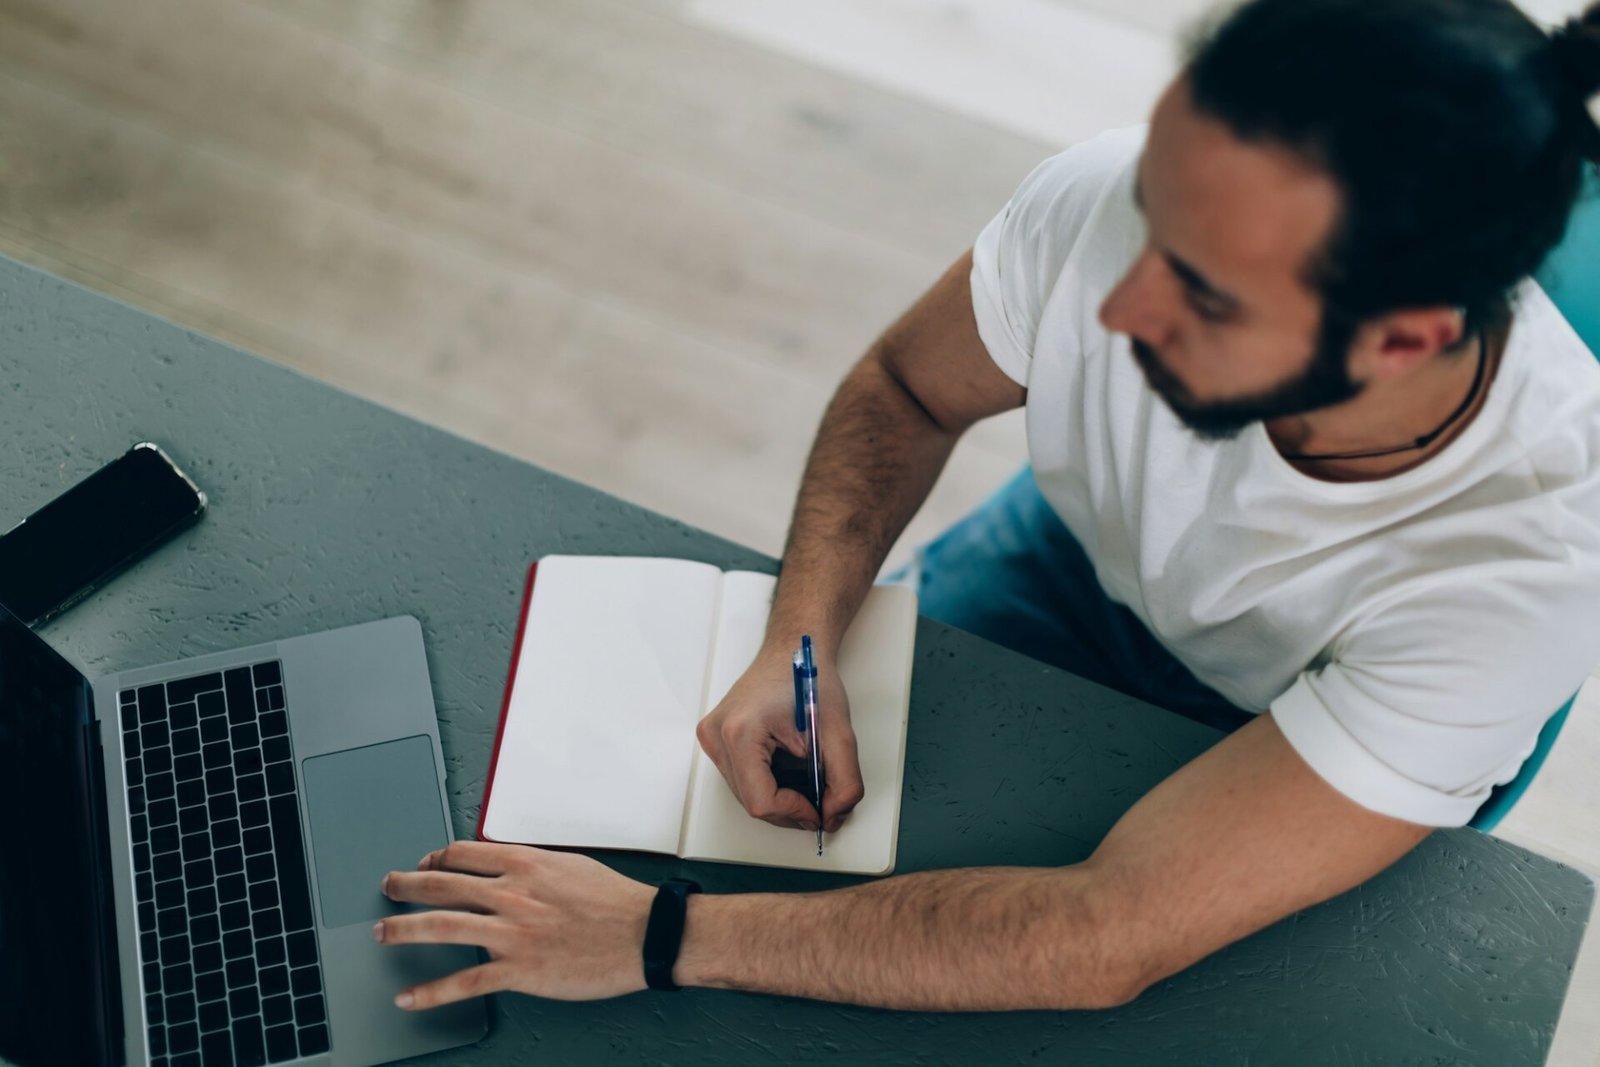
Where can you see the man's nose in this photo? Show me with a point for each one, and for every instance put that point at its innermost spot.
(1135, 306)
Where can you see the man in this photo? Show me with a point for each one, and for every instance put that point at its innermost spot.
(1307, 452)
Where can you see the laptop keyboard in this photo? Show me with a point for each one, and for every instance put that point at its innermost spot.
(226, 938)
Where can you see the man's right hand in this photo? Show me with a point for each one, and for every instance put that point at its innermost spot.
(756, 717)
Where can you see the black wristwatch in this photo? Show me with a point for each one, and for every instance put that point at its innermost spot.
(664, 934)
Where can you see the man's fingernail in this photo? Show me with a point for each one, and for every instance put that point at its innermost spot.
(383, 886)
(377, 931)
(809, 827)
(404, 1000)
(422, 864)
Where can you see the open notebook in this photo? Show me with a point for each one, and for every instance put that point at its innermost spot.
(616, 661)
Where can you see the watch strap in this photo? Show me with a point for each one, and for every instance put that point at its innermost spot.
(663, 935)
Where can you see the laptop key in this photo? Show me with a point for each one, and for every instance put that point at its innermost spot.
(157, 760)
(275, 979)
(293, 883)
(302, 948)
(193, 820)
(183, 716)
(192, 791)
(244, 1001)
(280, 778)
(228, 860)
(210, 986)
(186, 742)
(186, 689)
(177, 979)
(271, 951)
(217, 1047)
(281, 1043)
(214, 729)
(241, 973)
(237, 943)
(214, 1016)
(247, 761)
(252, 787)
(268, 673)
(174, 949)
(260, 868)
(241, 693)
(231, 887)
(152, 704)
(167, 865)
(211, 705)
(267, 923)
(235, 916)
(305, 981)
(277, 1009)
(169, 894)
(253, 813)
(181, 1009)
(225, 834)
(313, 1040)
(309, 1010)
(207, 957)
(204, 929)
(184, 1037)
(249, 1045)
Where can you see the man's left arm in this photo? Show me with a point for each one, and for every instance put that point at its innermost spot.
(1240, 837)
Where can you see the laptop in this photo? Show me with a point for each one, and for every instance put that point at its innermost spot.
(192, 854)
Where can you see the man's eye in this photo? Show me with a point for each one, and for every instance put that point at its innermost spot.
(1207, 308)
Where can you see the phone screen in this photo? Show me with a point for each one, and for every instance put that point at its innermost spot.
(87, 534)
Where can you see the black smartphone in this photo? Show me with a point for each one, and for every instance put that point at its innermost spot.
(87, 535)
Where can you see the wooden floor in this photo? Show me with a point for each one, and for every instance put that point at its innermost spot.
(635, 242)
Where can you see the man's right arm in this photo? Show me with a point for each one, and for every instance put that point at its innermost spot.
(884, 438)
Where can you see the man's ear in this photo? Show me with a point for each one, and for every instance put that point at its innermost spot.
(1395, 344)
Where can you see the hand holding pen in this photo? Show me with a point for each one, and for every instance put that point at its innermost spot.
(753, 737)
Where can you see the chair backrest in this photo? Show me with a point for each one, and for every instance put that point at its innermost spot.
(1571, 275)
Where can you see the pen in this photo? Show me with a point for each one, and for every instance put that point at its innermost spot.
(808, 691)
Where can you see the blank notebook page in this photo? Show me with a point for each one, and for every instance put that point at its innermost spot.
(875, 664)
(599, 735)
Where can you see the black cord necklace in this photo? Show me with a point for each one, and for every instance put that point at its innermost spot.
(1426, 439)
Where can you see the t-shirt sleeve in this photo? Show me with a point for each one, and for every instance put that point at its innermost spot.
(1019, 255)
(1441, 696)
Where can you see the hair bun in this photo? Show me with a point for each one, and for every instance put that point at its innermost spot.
(1577, 47)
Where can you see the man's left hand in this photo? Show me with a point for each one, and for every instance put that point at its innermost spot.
(555, 924)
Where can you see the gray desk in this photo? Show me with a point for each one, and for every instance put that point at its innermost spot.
(327, 511)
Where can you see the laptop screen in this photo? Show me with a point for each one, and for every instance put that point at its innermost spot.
(58, 996)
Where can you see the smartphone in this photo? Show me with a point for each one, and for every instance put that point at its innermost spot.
(87, 535)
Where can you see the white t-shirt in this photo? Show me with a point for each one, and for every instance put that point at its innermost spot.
(1410, 635)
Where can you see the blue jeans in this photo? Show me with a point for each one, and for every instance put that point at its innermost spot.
(1011, 572)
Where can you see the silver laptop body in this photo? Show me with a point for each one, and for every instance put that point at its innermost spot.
(359, 776)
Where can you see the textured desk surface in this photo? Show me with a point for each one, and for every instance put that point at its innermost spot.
(326, 510)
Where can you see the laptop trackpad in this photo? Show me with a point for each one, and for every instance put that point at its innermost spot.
(372, 810)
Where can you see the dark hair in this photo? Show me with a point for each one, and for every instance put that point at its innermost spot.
(1456, 130)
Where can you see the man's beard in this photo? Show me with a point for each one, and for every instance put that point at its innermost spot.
(1324, 382)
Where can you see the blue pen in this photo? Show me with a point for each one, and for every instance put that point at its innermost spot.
(806, 691)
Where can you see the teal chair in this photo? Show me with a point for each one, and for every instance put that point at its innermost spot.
(1572, 278)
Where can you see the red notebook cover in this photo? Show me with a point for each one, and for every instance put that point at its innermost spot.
(505, 703)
